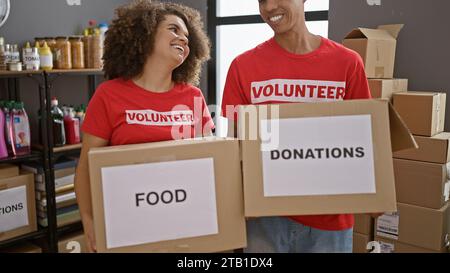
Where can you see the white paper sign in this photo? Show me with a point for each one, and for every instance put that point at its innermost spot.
(13, 208)
(159, 201)
(387, 225)
(386, 247)
(321, 156)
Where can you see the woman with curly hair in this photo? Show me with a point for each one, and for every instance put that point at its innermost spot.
(153, 57)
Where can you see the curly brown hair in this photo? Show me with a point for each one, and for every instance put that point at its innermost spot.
(131, 37)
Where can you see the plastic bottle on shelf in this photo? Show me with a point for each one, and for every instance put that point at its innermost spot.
(92, 26)
(103, 27)
(7, 54)
(59, 136)
(21, 130)
(15, 55)
(72, 126)
(31, 57)
(8, 126)
(3, 65)
(46, 57)
(3, 147)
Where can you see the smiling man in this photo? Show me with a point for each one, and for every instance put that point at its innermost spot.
(295, 66)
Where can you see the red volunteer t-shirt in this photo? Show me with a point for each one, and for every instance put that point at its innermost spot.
(270, 74)
(124, 113)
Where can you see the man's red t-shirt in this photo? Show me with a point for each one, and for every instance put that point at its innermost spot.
(124, 113)
(270, 74)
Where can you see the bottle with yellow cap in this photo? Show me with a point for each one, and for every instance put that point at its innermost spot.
(46, 57)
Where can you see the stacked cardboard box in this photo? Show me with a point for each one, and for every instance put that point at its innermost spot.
(422, 222)
(72, 243)
(66, 204)
(362, 232)
(17, 207)
(377, 49)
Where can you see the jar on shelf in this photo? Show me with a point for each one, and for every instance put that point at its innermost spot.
(77, 48)
(96, 52)
(87, 48)
(63, 53)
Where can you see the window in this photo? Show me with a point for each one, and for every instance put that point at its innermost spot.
(235, 27)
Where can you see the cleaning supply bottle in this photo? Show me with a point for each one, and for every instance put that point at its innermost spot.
(103, 27)
(59, 136)
(8, 126)
(72, 126)
(3, 147)
(21, 130)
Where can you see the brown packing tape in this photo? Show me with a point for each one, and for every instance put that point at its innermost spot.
(379, 71)
(403, 138)
(438, 111)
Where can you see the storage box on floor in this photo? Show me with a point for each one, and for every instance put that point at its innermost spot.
(72, 243)
(422, 228)
(422, 180)
(175, 196)
(67, 209)
(17, 207)
(363, 232)
(305, 145)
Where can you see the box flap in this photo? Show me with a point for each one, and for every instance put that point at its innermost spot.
(393, 30)
(442, 136)
(401, 137)
(369, 34)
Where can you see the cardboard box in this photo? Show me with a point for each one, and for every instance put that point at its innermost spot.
(301, 172)
(435, 149)
(363, 224)
(360, 242)
(17, 206)
(422, 184)
(175, 196)
(385, 88)
(417, 226)
(72, 243)
(423, 112)
(377, 49)
(8, 170)
(392, 246)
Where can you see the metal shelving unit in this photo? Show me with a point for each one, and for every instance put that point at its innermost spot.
(46, 153)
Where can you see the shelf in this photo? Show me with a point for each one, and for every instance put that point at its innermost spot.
(35, 155)
(75, 72)
(30, 236)
(66, 149)
(25, 73)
